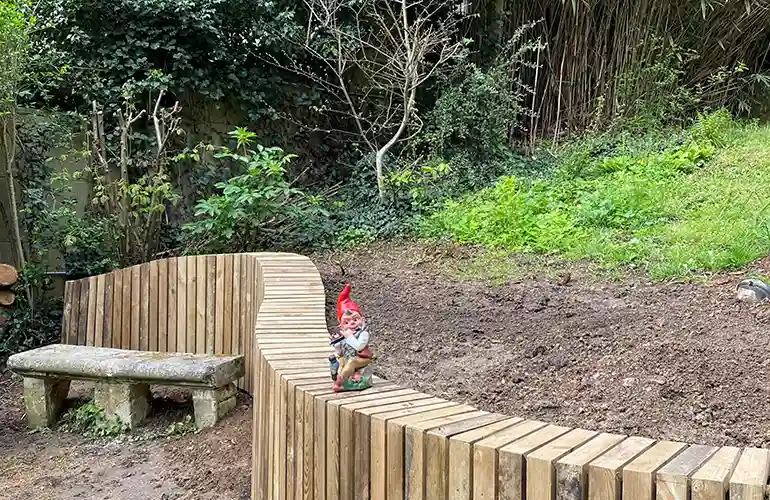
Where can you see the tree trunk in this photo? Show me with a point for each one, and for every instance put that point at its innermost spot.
(380, 157)
(9, 139)
(124, 130)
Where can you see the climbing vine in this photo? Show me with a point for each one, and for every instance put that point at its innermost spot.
(209, 48)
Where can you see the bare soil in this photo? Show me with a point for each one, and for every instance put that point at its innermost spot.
(213, 464)
(666, 360)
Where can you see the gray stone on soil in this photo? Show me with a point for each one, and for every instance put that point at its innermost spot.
(752, 290)
(127, 402)
(88, 362)
(44, 399)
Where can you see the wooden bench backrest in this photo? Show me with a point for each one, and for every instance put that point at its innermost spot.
(199, 304)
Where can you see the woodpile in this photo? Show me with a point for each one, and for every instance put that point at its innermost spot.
(8, 276)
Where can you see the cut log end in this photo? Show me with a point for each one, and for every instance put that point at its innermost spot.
(8, 275)
(7, 297)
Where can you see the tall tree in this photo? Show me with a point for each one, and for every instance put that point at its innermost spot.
(14, 30)
(374, 56)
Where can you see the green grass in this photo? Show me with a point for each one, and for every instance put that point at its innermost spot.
(695, 202)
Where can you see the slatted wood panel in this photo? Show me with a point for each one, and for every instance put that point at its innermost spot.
(391, 443)
(200, 304)
(388, 442)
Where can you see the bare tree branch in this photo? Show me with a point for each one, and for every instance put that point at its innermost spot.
(388, 50)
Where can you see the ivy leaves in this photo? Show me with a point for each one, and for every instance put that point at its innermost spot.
(203, 47)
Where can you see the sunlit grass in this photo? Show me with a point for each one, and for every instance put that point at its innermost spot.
(699, 205)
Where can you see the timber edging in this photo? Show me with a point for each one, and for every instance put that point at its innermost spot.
(386, 442)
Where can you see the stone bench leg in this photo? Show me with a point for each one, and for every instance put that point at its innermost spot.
(129, 402)
(43, 400)
(210, 405)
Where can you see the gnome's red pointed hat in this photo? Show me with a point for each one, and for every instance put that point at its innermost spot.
(345, 303)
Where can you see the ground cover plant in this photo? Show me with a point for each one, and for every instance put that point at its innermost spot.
(693, 202)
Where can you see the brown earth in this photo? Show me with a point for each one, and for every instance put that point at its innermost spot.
(213, 464)
(665, 360)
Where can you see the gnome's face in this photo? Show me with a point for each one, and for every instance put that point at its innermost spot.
(351, 320)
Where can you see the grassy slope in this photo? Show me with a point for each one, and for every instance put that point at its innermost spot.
(697, 204)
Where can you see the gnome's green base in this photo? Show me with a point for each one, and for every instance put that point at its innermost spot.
(351, 385)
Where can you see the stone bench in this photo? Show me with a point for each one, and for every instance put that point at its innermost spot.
(123, 379)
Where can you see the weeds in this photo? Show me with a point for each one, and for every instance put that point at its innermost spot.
(696, 205)
(182, 428)
(90, 421)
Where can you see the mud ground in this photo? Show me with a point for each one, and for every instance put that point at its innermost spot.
(679, 361)
(665, 360)
(213, 464)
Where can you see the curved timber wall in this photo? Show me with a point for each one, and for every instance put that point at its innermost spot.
(386, 442)
(393, 443)
(199, 304)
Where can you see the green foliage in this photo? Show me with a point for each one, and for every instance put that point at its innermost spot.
(354, 237)
(257, 209)
(182, 428)
(420, 182)
(653, 92)
(14, 31)
(477, 109)
(31, 325)
(87, 242)
(672, 212)
(90, 421)
(206, 47)
(658, 90)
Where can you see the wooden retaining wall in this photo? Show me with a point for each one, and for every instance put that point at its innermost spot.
(386, 442)
(199, 304)
(394, 443)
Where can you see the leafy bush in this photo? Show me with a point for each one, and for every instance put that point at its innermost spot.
(667, 211)
(206, 47)
(257, 209)
(31, 325)
(478, 108)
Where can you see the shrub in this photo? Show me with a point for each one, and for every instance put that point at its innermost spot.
(254, 210)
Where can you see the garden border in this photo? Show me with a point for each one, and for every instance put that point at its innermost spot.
(386, 442)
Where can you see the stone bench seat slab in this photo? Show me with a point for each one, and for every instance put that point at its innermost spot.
(99, 363)
(123, 378)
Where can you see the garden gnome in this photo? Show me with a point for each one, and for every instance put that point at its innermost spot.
(352, 356)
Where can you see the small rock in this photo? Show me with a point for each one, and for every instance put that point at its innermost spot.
(752, 291)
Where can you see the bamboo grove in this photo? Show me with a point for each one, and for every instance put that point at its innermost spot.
(602, 57)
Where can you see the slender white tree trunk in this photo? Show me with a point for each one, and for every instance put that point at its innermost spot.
(380, 157)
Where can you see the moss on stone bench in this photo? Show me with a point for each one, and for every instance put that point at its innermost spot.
(122, 380)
